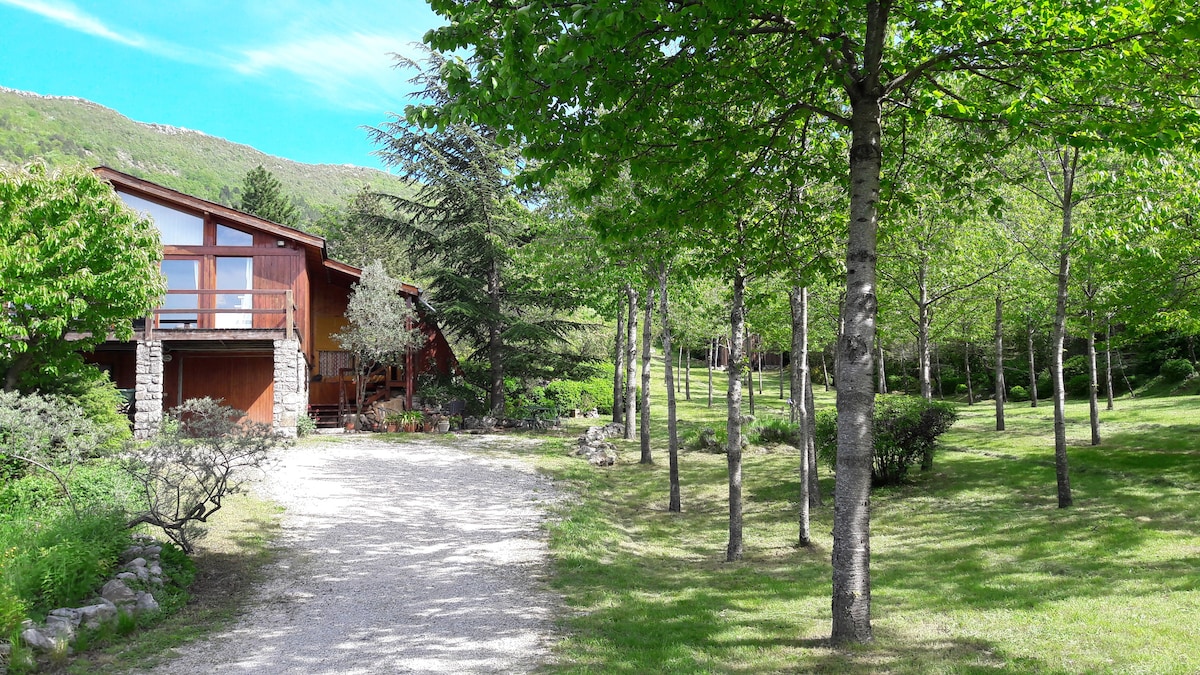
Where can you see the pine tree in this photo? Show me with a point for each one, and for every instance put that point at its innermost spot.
(262, 195)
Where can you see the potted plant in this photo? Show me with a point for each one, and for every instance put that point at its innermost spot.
(393, 420)
(411, 419)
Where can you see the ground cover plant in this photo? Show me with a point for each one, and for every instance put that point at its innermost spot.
(975, 569)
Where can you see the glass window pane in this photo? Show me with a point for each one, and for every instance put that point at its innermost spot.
(235, 274)
(177, 228)
(182, 275)
(227, 236)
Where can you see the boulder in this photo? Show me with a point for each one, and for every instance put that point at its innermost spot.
(93, 616)
(118, 593)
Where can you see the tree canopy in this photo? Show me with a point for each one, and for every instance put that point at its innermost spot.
(76, 265)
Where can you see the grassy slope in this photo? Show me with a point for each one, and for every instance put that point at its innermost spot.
(66, 131)
(974, 569)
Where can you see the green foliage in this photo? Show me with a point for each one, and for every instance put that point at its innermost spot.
(93, 483)
(1177, 370)
(305, 426)
(73, 259)
(906, 427)
(54, 558)
(596, 392)
(773, 430)
(1079, 385)
(1018, 394)
(262, 195)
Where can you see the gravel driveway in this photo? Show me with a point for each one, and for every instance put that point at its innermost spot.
(412, 557)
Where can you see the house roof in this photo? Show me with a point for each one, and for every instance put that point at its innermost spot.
(316, 246)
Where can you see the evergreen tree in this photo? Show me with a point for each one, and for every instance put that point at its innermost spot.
(467, 219)
(262, 195)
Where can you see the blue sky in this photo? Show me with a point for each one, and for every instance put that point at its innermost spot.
(292, 78)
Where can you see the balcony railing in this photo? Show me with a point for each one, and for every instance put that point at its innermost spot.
(202, 309)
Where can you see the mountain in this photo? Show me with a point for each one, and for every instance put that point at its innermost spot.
(65, 131)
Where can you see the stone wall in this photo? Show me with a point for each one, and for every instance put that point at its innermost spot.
(148, 403)
(291, 386)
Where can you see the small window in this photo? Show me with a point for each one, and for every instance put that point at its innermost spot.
(332, 363)
(178, 228)
(227, 236)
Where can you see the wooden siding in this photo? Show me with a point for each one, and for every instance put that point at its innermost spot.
(244, 381)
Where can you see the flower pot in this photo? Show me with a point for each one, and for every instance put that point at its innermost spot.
(410, 427)
(392, 427)
(443, 426)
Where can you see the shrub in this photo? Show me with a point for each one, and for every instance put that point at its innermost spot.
(1018, 393)
(581, 395)
(1079, 385)
(1176, 370)
(960, 388)
(305, 426)
(196, 461)
(906, 429)
(48, 433)
(773, 431)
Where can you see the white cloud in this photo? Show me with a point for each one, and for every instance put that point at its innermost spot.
(67, 14)
(354, 70)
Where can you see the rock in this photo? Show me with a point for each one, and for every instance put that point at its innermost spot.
(136, 562)
(155, 570)
(117, 592)
(60, 628)
(72, 615)
(146, 602)
(131, 553)
(34, 638)
(142, 573)
(93, 616)
(126, 576)
(152, 551)
(156, 581)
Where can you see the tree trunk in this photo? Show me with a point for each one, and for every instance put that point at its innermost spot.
(1108, 385)
(781, 375)
(1093, 383)
(799, 304)
(618, 411)
(1121, 365)
(733, 423)
(1033, 392)
(1068, 161)
(687, 376)
(12, 374)
(712, 364)
(937, 355)
(644, 427)
(851, 602)
(760, 373)
(824, 371)
(881, 375)
(674, 505)
(967, 367)
(814, 487)
(677, 383)
(999, 362)
(924, 325)
(630, 362)
(495, 343)
(750, 378)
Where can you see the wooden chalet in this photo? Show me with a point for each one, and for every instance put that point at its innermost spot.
(250, 309)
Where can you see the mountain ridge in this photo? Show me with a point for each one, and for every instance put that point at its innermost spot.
(69, 130)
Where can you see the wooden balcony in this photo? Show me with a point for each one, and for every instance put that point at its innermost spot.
(261, 314)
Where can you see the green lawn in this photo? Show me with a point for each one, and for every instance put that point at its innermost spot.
(974, 568)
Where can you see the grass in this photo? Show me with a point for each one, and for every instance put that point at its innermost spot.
(974, 568)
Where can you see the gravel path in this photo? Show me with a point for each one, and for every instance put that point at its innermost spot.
(411, 557)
